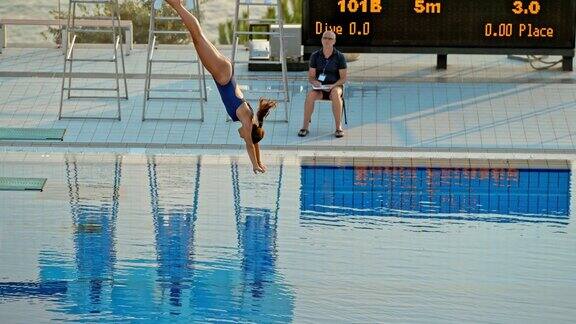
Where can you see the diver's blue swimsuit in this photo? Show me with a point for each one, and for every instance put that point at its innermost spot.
(229, 98)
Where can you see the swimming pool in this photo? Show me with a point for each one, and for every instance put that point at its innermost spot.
(171, 238)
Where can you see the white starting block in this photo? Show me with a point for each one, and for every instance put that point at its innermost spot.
(259, 49)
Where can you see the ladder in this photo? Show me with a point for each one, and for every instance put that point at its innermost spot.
(256, 231)
(199, 94)
(69, 59)
(94, 203)
(282, 92)
(174, 199)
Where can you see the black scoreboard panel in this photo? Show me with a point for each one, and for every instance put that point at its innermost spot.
(469, 25)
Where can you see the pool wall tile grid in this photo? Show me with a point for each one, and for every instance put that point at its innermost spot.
(482, 102)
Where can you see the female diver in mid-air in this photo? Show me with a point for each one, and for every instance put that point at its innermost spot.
(221, 69)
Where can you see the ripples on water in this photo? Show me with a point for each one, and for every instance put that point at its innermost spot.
(198, 239)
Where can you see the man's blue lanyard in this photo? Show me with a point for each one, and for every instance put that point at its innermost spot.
(325, 66)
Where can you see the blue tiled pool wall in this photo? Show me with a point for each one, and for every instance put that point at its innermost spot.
(374, 191)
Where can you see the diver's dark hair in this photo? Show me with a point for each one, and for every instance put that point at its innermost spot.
(264, 107)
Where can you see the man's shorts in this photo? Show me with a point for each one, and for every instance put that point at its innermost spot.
(325, 94)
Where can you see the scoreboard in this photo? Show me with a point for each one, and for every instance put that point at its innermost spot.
(443, 26)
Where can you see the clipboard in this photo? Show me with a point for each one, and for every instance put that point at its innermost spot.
(321, 87)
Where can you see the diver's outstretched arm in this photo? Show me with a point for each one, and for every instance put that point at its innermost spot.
(216, 63)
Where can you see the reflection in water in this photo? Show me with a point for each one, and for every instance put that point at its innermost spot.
(44, 289)
(94, 208)
(217, 289)
(89, 285)
(83, 285)
(167, 260)
(257, 237)
(95, 221)
(527, 195)
(174, 215)
(256, 229)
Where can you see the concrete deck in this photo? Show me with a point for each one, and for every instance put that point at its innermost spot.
(395, 102)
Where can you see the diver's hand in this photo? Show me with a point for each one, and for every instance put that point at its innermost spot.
(262, 166)
(258, 169)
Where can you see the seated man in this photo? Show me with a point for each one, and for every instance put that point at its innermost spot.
(327, 74)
